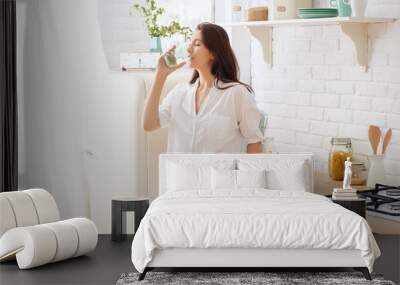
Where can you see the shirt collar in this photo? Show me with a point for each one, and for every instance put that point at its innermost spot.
(219, 85)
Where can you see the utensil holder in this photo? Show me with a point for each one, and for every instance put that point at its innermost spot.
(376, 172)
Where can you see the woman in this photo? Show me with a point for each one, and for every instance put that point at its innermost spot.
(214, 112)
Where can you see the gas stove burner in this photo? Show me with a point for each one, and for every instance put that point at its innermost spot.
(393, 192)
(385, 187)
(395, 207)
(383, 199)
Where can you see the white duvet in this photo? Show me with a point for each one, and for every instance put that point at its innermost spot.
(252, 218)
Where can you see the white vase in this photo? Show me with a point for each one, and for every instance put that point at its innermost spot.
(376, 172)
(358, 8)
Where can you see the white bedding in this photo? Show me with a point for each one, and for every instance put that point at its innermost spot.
(251, 218)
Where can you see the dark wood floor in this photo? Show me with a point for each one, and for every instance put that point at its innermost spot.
(111, 259)
(103, 266)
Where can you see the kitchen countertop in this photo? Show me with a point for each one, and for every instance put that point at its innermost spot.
(324, 185)
(383, 224)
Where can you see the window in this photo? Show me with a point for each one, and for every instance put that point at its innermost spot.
(122, 32)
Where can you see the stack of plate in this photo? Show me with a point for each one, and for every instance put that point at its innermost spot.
(308, 13)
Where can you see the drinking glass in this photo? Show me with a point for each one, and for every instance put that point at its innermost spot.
(180, 53)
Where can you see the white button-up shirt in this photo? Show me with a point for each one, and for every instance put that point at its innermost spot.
(227, 121)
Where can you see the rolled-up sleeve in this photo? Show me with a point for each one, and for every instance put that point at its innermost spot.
(252, 122)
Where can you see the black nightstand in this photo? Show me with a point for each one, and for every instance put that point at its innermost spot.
(119, 207)
(357, 206)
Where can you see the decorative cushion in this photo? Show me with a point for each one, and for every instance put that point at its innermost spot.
(223, 179)
(251, 179)
(288, 176)
(188, 175)
(281, 174)
(182, 178)
(237, 179)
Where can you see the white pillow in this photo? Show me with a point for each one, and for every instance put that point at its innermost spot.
(251, 178)
(181, 177)
(237, 179)
(189, 174)
(288, 176)
(223, 179)
(284, 174)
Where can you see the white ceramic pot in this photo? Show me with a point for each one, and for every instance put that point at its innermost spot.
(286, 9)
(358, 8)
(376, 172)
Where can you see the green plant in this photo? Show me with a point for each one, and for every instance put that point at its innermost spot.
(151, 14)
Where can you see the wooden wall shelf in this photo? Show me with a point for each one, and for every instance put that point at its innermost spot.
(355, 28)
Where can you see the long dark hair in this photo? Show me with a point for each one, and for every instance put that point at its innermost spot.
(224, 67)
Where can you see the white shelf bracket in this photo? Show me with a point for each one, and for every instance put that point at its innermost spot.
(264, 36)
(358, 34)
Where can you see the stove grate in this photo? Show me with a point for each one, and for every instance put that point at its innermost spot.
(383, 199)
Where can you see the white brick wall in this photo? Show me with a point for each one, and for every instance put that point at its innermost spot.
(326, 72)
(394, 90)
(339, 115)
(340, 87)
(371, 89)
(340, 99)
(310, 113)
(313, 86)
(325, 100)
(324, 128)
(355, 102)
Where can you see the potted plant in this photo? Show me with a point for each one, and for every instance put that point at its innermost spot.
(151, 12)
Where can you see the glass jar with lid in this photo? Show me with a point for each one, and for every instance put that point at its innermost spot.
(359, 173)
(237, 13)
(340, 151)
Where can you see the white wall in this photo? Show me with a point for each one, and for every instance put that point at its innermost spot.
(316, 91)
(80, 136)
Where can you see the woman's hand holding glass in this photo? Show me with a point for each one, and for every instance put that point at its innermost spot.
(165, 69)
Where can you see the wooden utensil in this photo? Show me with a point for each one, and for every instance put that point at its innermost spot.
(386, 140)
(374, 136)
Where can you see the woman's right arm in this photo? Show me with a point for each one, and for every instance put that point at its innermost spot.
(151, 118)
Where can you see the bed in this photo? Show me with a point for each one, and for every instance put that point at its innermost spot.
(247, 210)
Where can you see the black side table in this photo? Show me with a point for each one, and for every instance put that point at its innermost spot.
(358, 206)
(119, 207)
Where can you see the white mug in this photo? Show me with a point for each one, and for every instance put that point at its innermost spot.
(358, 8)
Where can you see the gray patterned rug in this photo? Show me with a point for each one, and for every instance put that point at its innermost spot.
(243, 278)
